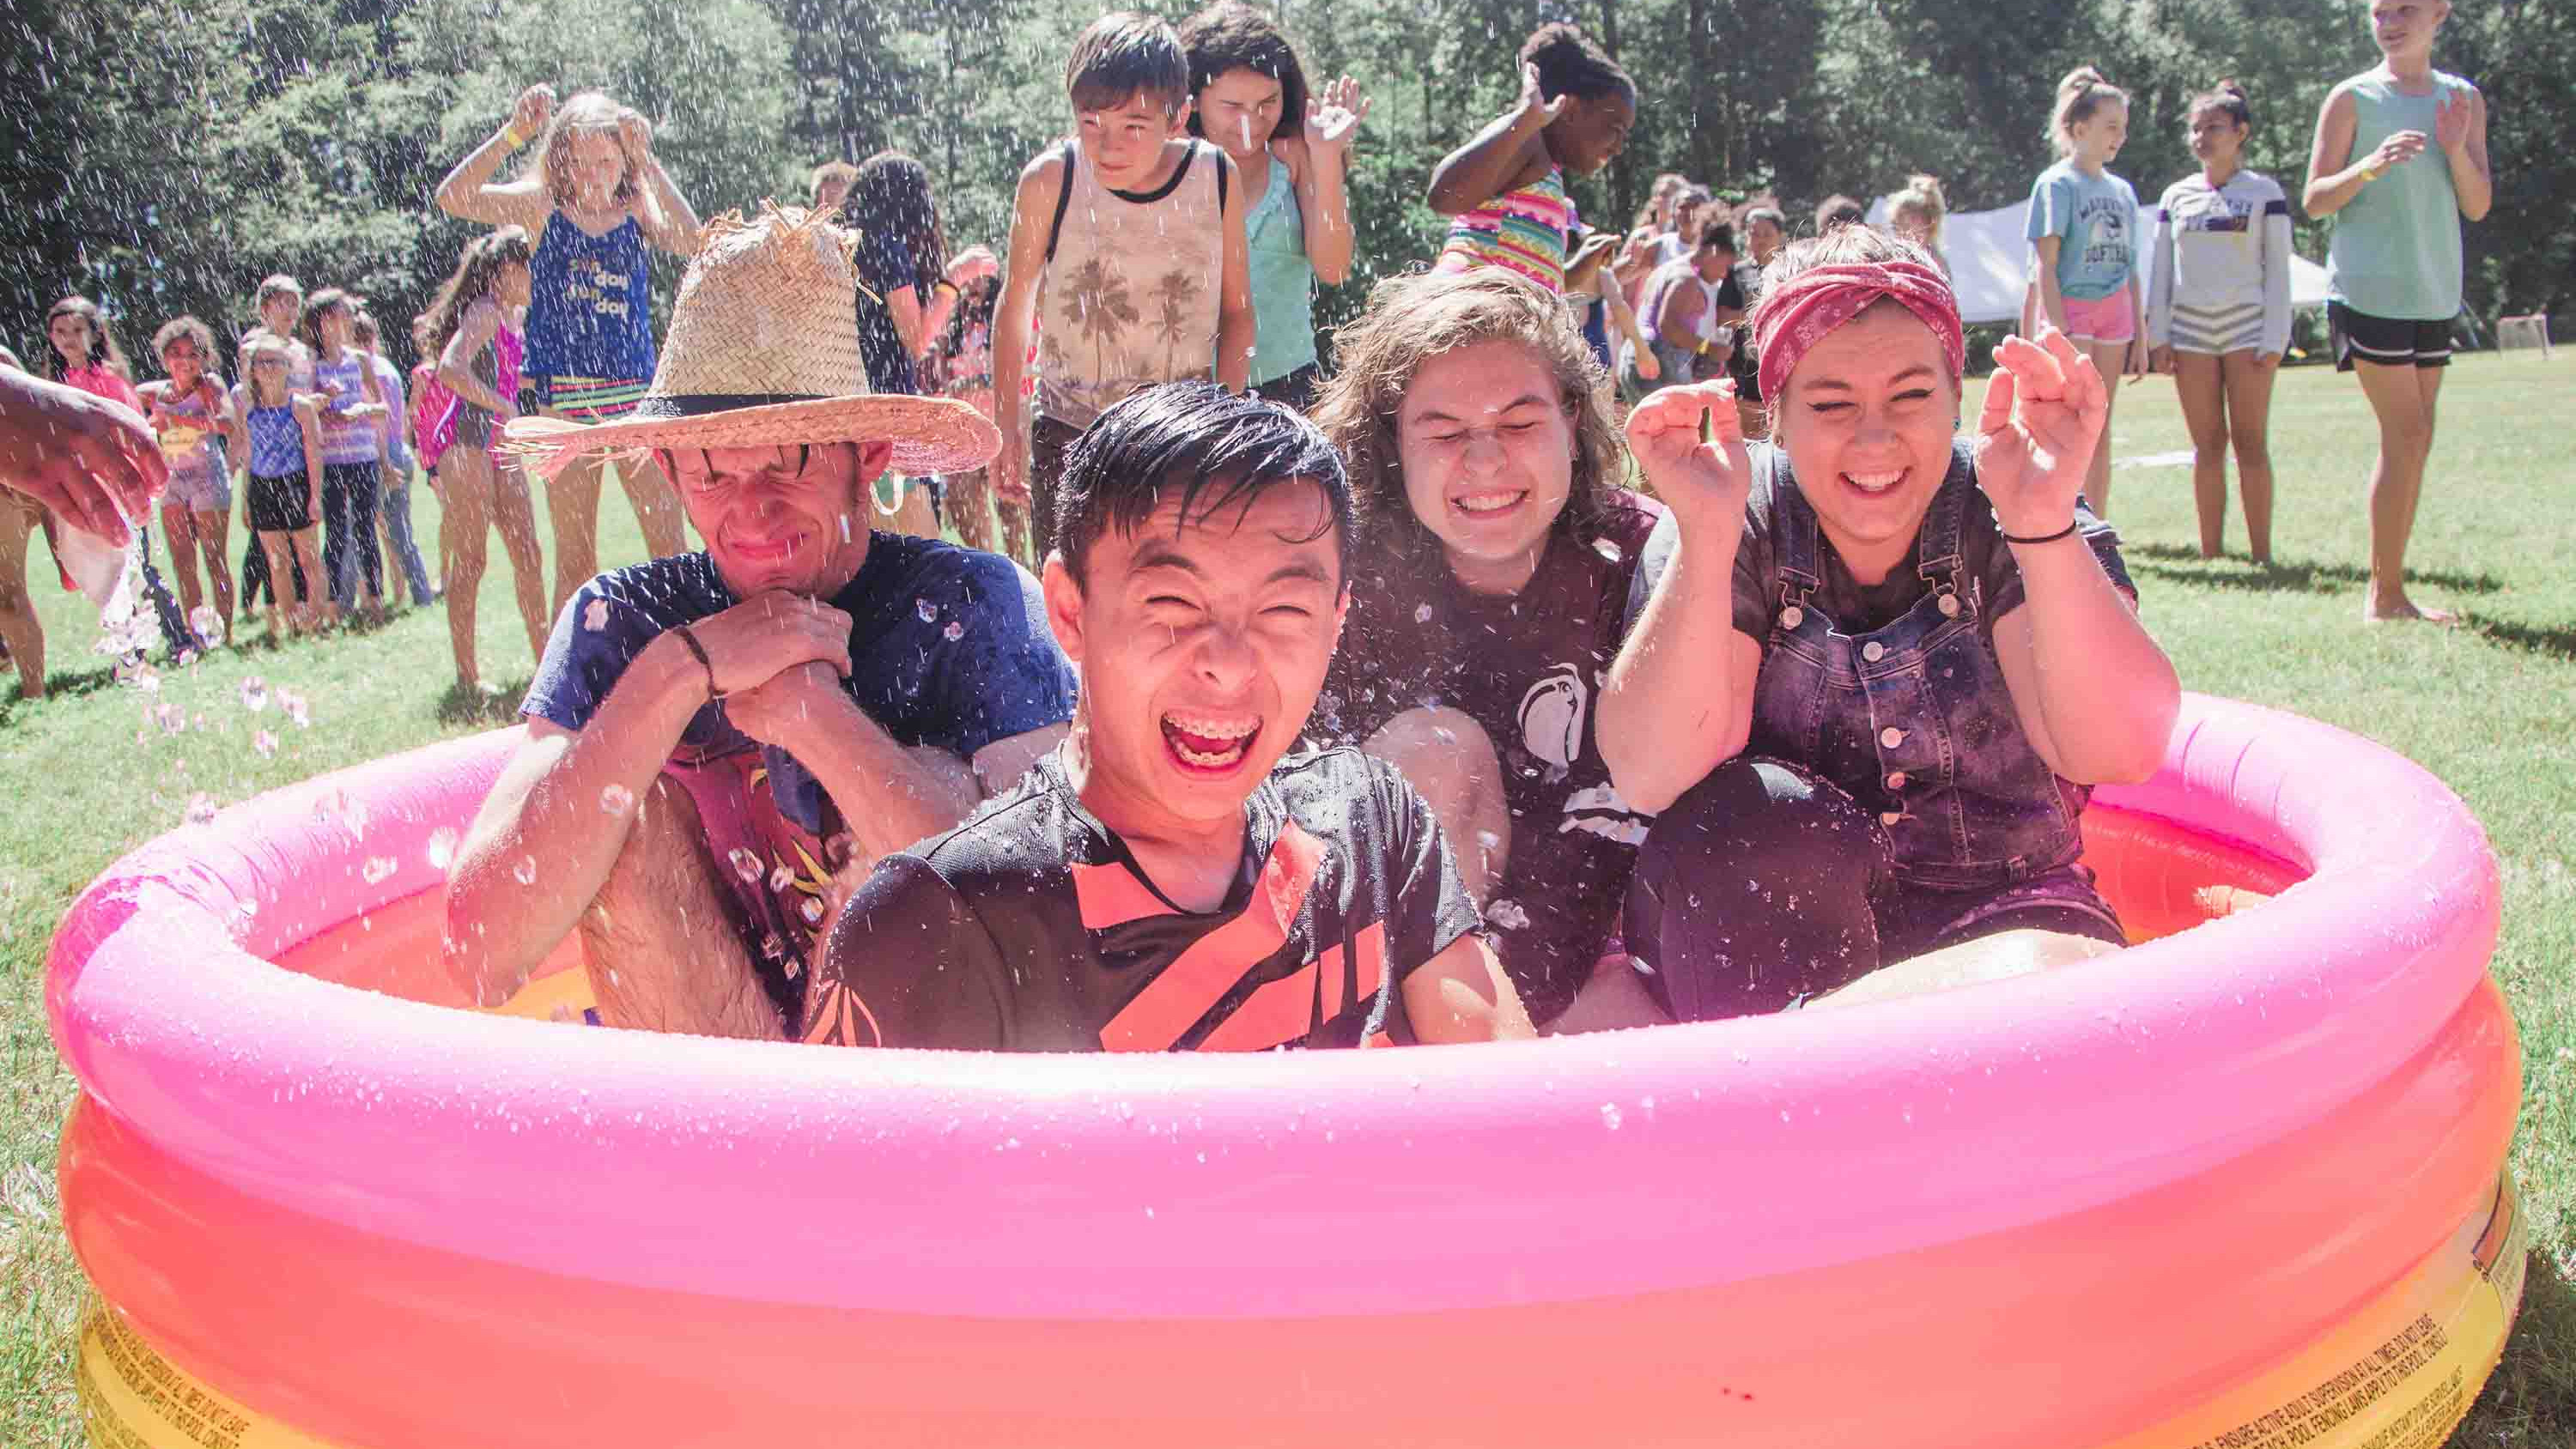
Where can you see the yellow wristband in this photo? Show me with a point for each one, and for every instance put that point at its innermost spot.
(511, 135)
(2370, 173)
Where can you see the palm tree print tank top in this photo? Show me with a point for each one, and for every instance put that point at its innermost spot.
(1132, 287)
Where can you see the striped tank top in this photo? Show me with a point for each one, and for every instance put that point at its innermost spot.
(1520, 231)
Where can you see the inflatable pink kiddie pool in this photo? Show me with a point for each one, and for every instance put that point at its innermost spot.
(2241, 1185)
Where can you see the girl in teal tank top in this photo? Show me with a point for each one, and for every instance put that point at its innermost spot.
(2400, 158)
(1290, 148)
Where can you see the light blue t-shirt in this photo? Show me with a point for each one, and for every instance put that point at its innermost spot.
(2095, 219)
(2396, 246)
(1283, 281)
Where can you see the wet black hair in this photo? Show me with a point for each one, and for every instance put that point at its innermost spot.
(1221, 450)
(1718, 237)
(1232, 36)
(1122, 55)
(1567, 60)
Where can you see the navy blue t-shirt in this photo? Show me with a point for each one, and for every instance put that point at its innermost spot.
(949, 647)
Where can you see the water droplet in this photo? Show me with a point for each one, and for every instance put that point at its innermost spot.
(1422, 614)
(265, 743)
(526, 870)
(811, 908)
(377, 870)
(1610, 1115)
(616, 800)
(254, 694)
(1508, 915)
(745, 864)
(201, 808)
(1607, 549)
(954, 632)
(442, 847)
(928, 611)
(781, 878)
(595, 617)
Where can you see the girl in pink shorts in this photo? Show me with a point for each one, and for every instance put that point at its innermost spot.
(2083, 232)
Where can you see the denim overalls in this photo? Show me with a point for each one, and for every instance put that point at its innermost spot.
(1915, 721)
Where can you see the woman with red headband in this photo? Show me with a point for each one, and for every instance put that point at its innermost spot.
(1936, 625)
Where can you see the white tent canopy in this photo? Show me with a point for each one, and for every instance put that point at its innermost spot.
(1990, 258)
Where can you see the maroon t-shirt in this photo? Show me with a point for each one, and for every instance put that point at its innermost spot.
(1527, 668)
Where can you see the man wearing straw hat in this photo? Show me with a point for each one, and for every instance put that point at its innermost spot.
(719, 744)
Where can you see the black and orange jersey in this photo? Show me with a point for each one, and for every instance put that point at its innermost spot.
(1030, 927)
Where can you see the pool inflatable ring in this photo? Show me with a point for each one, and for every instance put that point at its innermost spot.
(2240, 1186)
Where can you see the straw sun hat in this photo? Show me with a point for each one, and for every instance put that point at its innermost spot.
(764, 351)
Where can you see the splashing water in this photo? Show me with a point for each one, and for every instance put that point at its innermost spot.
(442, 847)
(201, 808)
(1508, 915)
(595, 618)
(208, 625)
(928, 611)
(377, 870)
(265, 744)
(616, 800)
(954, 632)
(526, 870)
(745, 864)
(295, 708)
(344, 809)
(254, 694)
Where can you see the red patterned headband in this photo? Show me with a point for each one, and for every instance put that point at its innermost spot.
(1800, 311)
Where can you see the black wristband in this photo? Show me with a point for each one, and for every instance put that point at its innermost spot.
(2008, 538)
(689, 637)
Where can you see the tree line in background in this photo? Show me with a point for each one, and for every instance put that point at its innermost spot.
(163, 162)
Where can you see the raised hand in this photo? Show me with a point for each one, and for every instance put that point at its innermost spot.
(1689, 441)
(2045, 409)
(635, 134)
(1532, 101)
(2451, 119)
(536, 106)
(1333, 116)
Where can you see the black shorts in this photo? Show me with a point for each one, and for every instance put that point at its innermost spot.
(280, 505)
(2388, 341)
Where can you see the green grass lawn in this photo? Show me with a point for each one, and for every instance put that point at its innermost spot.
(2490, 708)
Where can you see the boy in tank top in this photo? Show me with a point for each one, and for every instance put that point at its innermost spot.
(1128, 264)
